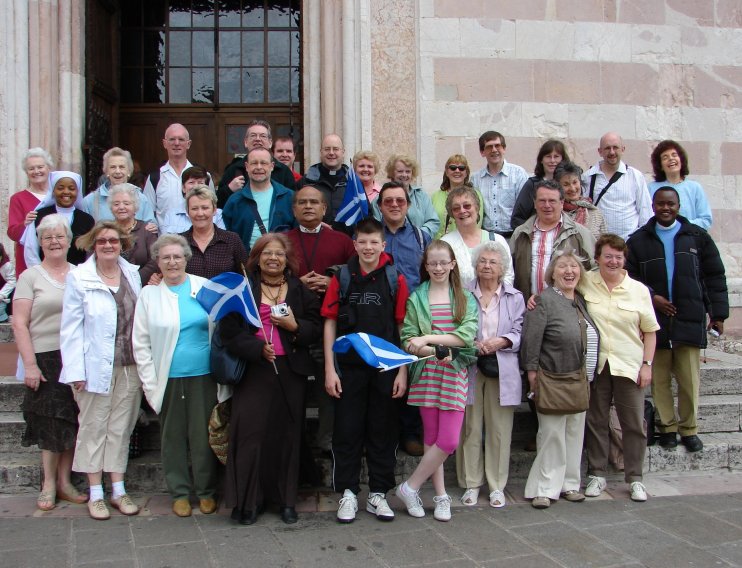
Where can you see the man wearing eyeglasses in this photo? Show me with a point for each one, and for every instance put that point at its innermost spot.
(499, 182)
(234, 178)
(330, 177)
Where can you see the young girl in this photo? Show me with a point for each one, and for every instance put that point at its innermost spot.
(439, 312)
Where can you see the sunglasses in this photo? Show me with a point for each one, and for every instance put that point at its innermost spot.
(464, 206)
(101, 242)
(454, 168)
(394, 201)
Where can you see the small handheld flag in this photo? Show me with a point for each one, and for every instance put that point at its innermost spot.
(355, 203)
(229, 292)
(374, 351)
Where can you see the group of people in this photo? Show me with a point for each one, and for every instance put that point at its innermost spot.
(572, 291)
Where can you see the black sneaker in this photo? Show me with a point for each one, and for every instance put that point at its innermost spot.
(692, 443)
(669, 440)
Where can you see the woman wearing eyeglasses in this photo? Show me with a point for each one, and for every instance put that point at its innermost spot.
(98, 362)
(455, 174)
(463, 206)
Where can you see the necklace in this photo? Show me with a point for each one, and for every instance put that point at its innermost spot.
(267, 286)
(131, 227)
(106, 275)
(57, 274)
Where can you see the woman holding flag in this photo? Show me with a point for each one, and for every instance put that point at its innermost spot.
(267, 404)
(171, 340)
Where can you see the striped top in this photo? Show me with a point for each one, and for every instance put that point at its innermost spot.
(440, 385)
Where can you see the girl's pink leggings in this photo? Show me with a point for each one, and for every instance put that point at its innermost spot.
(441, 427)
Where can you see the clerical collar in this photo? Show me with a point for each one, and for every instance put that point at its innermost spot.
(304, 229)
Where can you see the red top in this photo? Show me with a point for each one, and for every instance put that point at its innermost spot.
(20, 204)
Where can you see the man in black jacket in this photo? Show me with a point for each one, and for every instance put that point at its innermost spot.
(680, 264)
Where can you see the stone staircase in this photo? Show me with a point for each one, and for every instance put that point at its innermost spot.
(720, 421)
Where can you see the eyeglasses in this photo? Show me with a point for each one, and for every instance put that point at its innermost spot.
(394, 201)
(174, 258)
(436, 264)
(465, 206)
(488, 262)
(493, 146)
(276, 253)
(50, 238)
(101, 242)
(455, 168)
(254, 136)
(334, 149)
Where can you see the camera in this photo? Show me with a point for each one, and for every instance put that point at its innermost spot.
(280, 310)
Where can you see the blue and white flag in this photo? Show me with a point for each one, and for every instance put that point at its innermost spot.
(228, 292)
(374, 351)
(355, 203)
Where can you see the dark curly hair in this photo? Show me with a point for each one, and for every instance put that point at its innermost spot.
(664, 146)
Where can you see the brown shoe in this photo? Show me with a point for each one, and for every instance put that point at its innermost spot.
(182, 507)
(72, 495)
(98, 510)
(207, 506)
(125, 505)
(573, 496)
(541, 503)
(413, 447)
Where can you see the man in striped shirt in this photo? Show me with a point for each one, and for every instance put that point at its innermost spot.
(618, 190)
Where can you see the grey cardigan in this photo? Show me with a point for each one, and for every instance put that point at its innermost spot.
(551, 337)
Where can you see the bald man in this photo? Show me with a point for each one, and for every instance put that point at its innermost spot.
(618, 190)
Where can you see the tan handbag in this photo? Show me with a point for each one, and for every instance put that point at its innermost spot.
(219, 430)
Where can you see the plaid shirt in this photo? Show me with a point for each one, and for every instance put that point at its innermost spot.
(225, 253)
(499, 193)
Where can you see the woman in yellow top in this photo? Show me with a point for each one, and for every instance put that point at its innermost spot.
(456, 174)
(622, 310)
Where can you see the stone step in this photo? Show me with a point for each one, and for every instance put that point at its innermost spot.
(6, 333)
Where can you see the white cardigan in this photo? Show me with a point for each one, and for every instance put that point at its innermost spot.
(156, 331)
(463, 255)
(88, 332)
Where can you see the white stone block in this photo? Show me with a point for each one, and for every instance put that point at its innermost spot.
(440, 37)
(658, 123)
(703, 124)
(449, 119)
(426, 79)
(503, 117)
(544, 120)
(711, 46)
(544, 40)
(713, 187)
(425, 9)
(487, 38)
(592, 121)
(732, 124)
(602, 42)
(655, 44)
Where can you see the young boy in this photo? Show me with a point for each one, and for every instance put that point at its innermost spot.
(365, 412)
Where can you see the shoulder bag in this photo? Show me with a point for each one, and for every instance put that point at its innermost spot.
(227, 369)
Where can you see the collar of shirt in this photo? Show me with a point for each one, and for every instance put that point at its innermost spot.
(478, 291)
(303, 229)
(503, 170)
(557, 227)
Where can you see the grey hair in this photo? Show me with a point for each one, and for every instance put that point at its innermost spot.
(165, 240)
(559, 254)
(37, 153)
(117, 152)
(129, 189)
(202, 192)
(54, 221)
(496, 247)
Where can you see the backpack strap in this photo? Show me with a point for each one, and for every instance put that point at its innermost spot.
(614, 178)
(343, 276)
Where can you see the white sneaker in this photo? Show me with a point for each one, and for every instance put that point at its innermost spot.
(497, 499)
(376, 505)
(638, 491)
(470, 496)
(411, 500)
(348, 507)
(442, 508)
(595, 487)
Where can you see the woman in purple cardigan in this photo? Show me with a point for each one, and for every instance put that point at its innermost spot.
(495, 387)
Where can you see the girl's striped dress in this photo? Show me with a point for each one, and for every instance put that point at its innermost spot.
(439, 384)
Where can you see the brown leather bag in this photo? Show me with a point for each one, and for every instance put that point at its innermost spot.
(562, 393)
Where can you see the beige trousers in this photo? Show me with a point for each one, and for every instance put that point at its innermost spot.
(475, 461)
(106, 422)
(683, 361)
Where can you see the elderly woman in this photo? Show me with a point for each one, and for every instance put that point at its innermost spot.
(65, 198)
(558, 337)
(569, 176)
(494, 383)
(117, 169)
(550, 155)
(463, 206)
(49, 407)
(455, 174)
(366, 165)
(421, 213)
(123, 200)
(670, 167)
(37, 163)
(267, 407)
(622, 310)
(172, 335)
(99, 363)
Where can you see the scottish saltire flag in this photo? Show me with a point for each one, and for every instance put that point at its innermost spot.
(355, 203)
(226, 293)
(374, 351)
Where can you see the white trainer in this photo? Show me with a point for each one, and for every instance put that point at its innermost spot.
(470, 496)
(411, 500)
(442, 508)
(497, 499)
(376, 505)
(638, 491)
(348, 507)
(595, 487)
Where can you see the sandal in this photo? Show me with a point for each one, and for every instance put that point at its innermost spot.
(470, 496)
(72, 495)
(47, 500)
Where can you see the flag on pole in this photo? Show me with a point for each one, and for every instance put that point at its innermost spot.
(374, 351)
(228, 292)
(355, 203)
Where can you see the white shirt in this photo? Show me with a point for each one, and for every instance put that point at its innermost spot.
(168, 194)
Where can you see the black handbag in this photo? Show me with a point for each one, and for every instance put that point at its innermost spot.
(227, 369)
(488, 365)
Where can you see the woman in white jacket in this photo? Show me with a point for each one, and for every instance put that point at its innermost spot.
(98, 362)
(172, 342)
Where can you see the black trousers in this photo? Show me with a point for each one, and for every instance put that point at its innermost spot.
(365, 416)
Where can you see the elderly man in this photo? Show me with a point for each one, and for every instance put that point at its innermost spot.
(499, 182)
(285, 152)
(618, 190)
(234, 178)
(680, 264)
(163, 187)
(261, 205)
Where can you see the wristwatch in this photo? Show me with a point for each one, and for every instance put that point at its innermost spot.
(647, 363)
